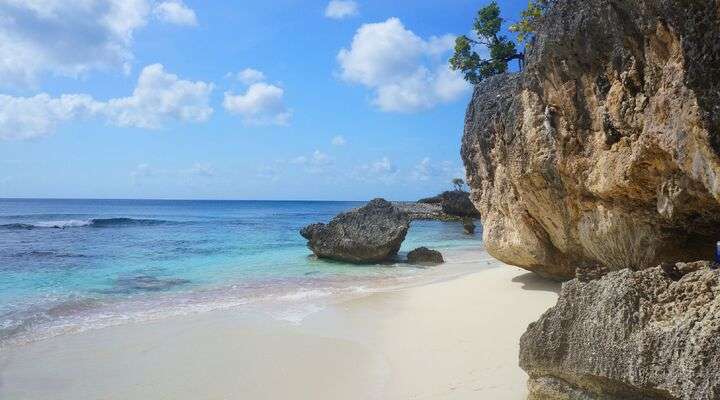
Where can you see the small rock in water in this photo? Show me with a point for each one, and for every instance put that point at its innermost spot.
(423, 255)
(468, 226)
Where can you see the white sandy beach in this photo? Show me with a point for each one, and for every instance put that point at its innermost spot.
(456, 339)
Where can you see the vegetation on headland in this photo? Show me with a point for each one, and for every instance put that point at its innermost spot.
(497, 49)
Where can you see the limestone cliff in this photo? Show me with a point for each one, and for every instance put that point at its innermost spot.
(605, 149)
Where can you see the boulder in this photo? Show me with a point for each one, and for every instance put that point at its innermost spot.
(606, 148)
(369, 234)
(423, 255)
(468, 226)
(457, 202)
(650, 334)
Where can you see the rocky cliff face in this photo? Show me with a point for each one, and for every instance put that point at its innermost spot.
(630, 335)
(605, 150)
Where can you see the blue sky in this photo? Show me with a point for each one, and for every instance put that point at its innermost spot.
(280, 99)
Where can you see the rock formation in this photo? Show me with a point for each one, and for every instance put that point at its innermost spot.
(468, 226)
(604, 150)
(423, 255)
(369, 234)
(629, 335)
(455, 202)
(424, 211)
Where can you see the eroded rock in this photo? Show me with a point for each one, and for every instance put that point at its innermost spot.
(629, 335)
(369, 234)
(423, 255)
(605, 149)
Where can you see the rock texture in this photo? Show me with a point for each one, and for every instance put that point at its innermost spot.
(604, 150)
(424, 211)
(458, 203)
(423, 255)
(369, 234)
(468, 226)
(629, 335)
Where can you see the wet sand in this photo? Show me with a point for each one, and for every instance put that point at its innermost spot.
(455, 339)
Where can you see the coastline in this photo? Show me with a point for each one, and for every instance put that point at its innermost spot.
(391, 344)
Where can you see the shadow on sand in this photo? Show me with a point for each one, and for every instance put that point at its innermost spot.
(532, 281)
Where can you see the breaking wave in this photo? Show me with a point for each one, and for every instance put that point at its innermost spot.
(92, 222)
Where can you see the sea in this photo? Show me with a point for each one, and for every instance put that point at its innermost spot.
(73, 265)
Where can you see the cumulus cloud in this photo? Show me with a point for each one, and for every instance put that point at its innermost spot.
(249, 76)
(36, 116)
(70, 38)
(406, 72)
(261, 104)
(339, 9)
(175, 12)
(159, 97)
(339, 140)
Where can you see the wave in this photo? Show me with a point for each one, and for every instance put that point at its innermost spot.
(92, 222)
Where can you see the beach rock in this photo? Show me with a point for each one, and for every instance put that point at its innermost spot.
(457, 202)
(454, 203)
(369, 234)
(606, 148)
(468, 226)
(629, 335)
(423, 255)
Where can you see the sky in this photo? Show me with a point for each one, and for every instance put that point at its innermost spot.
(263, 100)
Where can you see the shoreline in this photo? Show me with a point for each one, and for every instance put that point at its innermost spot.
(447, 338)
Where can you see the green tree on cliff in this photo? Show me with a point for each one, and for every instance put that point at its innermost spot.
(500, 49)
(458, 183)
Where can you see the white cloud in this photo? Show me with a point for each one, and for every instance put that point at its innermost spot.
(406, 72)
(175, 12)
(249, 76)
(339, 140)
(261, 104)
(339, 9)
(315, 163)
(66, 38)
(382, 170)
(159, 97)
(30, 117)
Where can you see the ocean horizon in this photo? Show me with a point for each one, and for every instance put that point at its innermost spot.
(68, 265)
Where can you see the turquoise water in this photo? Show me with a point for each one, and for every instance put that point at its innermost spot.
(69, 264)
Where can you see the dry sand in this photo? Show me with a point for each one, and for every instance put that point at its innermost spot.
(456, 339)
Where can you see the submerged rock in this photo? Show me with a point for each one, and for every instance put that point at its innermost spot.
(606, 148)
(423, 255)
(629, 335)
(369, 234)
(145, 283)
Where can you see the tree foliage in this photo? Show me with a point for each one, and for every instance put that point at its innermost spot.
(458, 183)
(529, 20)
(500, 49)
